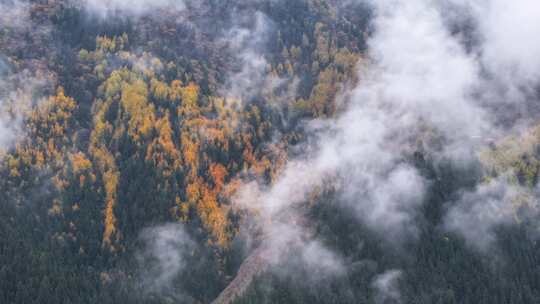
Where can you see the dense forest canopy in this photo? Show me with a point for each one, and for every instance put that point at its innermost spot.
(269, 151)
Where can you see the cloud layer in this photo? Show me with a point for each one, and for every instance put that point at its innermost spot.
(386, 287)
(422, 84)
(164, 256)
(131, 8)
(478, 213)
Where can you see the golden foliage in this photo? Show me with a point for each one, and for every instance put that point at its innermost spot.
(82, 166)
(516, 155)
(165, 136)
(193, 191)
(162, 151)
(48, 125)
(13, 165)
(218, 173)
(193, 143)
(113, 44)
(53, 116)
(135, 102)
(160, 89)
(106, 165)
(198, 146)
(110, 179)
(214, 218)
(80, 163)
(190, 152)
(190, 95)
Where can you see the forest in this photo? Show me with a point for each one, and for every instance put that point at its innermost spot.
(269, 151)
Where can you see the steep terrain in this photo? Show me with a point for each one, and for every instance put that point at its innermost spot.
(268, 151)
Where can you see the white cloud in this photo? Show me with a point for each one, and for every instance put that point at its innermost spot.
(479, 212)
(509, 33)
(419, 75)
(19, 91)
(386, 287)
(131, 8)
(14, 14)
(247, 42)
(164, 256)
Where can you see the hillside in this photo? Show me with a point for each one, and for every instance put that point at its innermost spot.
(269, 151)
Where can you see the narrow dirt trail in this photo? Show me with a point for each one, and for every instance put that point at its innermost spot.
(268, 254)
(254, 265)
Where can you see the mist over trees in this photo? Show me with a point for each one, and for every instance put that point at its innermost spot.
(269, 151)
